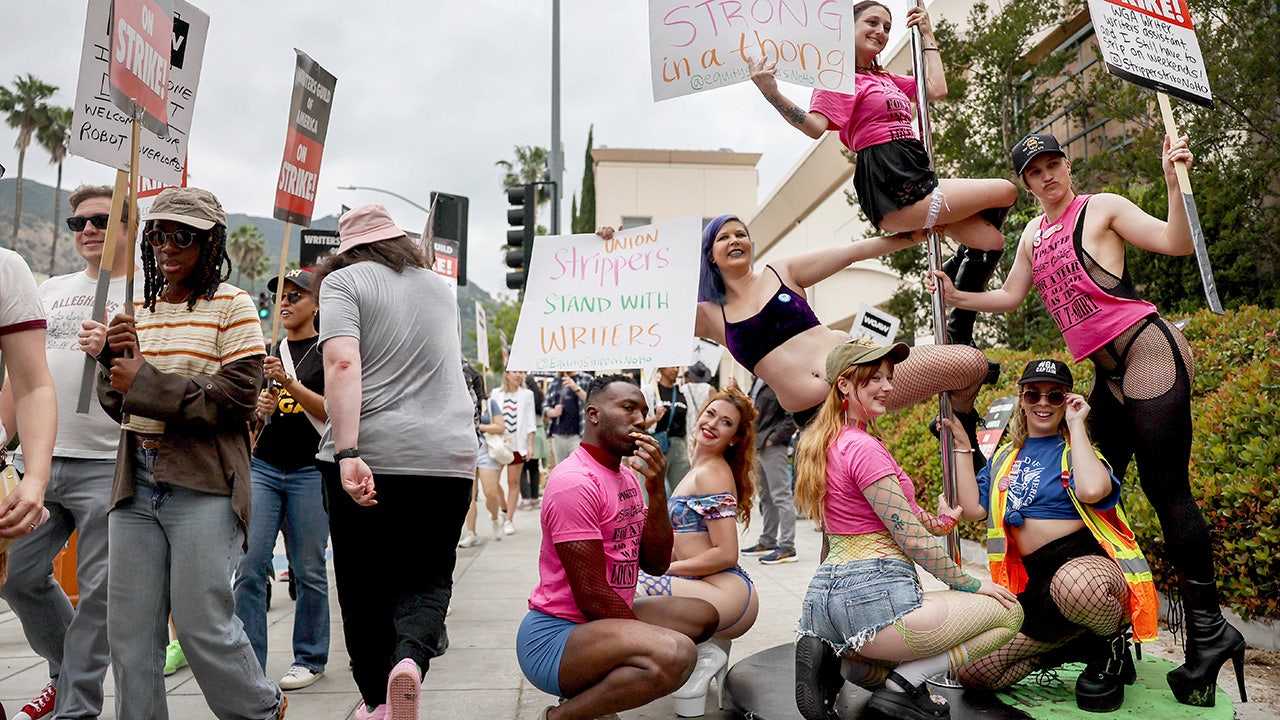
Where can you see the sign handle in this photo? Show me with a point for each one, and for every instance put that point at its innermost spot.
(1193, 216)
(134, 179)
(275, 303)
(104, 283)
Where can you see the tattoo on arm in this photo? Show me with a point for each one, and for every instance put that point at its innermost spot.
(889, 502)
(793, 114)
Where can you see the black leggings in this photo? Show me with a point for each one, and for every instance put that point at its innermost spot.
(1141, 410)
(530, 479)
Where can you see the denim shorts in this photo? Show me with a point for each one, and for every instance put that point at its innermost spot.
(484, 460)
(847, 604)
(540, 645)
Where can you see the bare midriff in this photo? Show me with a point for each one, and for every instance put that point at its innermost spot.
(1035, 533)
(796, 369)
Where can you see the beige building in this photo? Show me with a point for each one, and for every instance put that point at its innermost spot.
(638, 187)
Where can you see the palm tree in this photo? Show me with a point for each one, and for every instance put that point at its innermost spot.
(530, 167)
(24, 105)
(54, 135)
(247, 249)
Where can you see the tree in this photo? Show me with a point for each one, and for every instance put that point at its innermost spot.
(584, 216)
(24, 108)
(54, 135)
(530, 167)
(247, 249)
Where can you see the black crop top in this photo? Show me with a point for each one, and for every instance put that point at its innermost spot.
(786, 315)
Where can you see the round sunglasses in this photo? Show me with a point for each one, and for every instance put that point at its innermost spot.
(182, 239)
(1054, 397)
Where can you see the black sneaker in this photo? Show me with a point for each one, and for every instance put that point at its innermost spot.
(758, 549)
(778, 557)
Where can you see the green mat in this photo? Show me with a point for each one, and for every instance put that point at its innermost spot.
(1147, 698)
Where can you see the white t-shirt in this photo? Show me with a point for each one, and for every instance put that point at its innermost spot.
(19, 303)
(68, 301)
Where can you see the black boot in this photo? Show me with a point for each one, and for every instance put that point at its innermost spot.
(995, 216)
(971, 276)
(1100, 688)
(1211, 641)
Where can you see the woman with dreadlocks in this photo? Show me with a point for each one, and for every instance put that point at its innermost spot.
(183, 375)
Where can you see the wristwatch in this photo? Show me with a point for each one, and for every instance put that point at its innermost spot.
(344, 454)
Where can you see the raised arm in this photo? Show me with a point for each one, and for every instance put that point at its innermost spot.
(657, 538)
(1090, 475)
(935, 76)
(764, 75)
(1006, 298)
(808, 269)
(1132, 225)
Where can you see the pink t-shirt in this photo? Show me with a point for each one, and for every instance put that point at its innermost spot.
(855, 461)
(1088, 316)
(585, 500)
(877, 112)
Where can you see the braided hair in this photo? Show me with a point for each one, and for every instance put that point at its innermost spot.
(205, 276)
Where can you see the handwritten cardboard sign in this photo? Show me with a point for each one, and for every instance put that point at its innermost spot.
(1153, 44)
(304, 144)
(695, 47)
(625, 302)
(100, 131)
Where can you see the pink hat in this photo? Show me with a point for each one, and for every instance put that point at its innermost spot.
(366, 224)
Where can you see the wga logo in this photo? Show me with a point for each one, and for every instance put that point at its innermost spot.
(1048, 366)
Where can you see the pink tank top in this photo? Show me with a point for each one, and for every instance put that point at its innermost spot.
(1087, 315)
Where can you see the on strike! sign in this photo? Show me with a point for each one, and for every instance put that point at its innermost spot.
(141, 34)
(304, 145)
(1153, 44)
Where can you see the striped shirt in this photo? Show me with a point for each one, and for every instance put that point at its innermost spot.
(197, 342)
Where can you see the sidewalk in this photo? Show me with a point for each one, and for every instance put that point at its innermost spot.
(479, 676)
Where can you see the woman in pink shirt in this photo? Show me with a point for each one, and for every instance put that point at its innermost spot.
(865, 604)
(894, 181)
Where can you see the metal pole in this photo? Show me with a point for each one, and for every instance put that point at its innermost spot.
(556, 169)
(385, 192)
(934, 248)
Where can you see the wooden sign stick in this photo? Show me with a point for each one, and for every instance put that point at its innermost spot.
(104, 283)
(284, 261)
(1193, 217)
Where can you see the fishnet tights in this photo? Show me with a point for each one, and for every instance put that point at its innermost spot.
(1089, 591)
(933, 369)
(981, 623)
(927, 551)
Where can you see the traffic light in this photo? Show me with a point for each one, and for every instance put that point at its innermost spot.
(264, 306)
(521, 217)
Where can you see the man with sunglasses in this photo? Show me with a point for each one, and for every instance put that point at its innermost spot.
(72, 640)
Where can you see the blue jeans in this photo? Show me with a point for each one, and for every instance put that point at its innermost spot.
(73, 641)
(291, 500)
(173, 550)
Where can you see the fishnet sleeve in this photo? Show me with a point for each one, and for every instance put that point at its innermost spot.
(887, 499)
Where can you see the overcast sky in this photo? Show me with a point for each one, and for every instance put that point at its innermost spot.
(429, 96)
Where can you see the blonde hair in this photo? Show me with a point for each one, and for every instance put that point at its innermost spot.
(1016, 433)
(811, 450)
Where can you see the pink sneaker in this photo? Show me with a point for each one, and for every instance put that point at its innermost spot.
(364, 713)
(403, 687)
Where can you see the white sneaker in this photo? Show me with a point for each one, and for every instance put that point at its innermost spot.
(468, 539)
(497, 526)
(508, 528)
(299, 677)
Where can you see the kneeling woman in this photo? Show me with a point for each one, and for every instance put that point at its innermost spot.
(865, 602)
(1067, 543)
(705, 508)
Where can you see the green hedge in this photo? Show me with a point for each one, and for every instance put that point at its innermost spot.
(1235, 452)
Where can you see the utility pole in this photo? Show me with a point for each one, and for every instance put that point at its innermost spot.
(556, 169)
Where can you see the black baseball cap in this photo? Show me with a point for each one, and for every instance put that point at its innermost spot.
(1032, 145)
(302, 277)
(1054, 371)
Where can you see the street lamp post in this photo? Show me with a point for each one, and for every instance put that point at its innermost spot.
(386, 192)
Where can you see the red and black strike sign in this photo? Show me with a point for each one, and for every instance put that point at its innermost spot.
(304, 145)
(141, 38)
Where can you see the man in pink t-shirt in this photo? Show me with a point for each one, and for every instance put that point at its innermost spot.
(586, 638)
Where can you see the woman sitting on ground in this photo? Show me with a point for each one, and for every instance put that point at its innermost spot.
(1069, 553)
(865, 604)
(706, 507)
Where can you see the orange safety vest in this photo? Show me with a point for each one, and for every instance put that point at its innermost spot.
(1109, 527)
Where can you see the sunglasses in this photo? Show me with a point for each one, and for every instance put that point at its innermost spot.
(182, 239)
(1054, 397)
(293, 296)
(77, 223)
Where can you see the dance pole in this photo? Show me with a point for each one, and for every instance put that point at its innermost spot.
(934, 248)
(1193, 215)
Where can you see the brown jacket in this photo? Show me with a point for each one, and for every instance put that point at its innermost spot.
(206, 434)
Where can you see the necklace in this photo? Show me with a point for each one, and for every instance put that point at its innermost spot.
(300, 360)
(1047, 231)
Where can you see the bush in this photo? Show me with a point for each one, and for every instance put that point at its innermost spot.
(1235, 452)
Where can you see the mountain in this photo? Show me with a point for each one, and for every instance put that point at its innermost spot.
(35, 235)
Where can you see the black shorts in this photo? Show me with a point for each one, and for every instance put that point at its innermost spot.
(891, 176)
(1042, 620)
